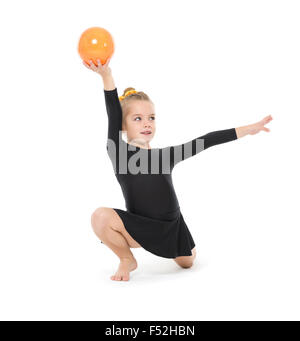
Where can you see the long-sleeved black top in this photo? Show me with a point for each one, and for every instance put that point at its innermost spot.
(145, 175)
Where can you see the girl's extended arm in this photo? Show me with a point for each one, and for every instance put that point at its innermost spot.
(190, 148)
(185, 150)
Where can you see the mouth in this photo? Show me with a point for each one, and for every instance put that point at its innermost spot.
(146, 132)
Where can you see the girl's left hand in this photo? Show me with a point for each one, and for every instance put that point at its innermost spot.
(257, 127)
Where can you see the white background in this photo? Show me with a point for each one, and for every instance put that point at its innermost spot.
(207, 65)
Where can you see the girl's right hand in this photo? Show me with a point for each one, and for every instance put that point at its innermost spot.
(103, 70)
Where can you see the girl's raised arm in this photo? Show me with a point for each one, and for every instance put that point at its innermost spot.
(113, 106)
(104, 71)
(114, 114)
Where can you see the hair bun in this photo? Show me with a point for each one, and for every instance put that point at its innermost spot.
(127, 92)
(128, 89)
(138, 95)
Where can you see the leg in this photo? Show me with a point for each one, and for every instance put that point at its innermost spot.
(186, 261)
(109, 228)
(117, 225)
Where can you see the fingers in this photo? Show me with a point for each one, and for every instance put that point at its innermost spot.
(107, 62)
(268, 119)
(265, 120)
(98, 67)
(105, 65)
(85, 64)
(93, 66)
(89, 66)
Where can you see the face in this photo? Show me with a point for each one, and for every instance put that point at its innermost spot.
(139, 121)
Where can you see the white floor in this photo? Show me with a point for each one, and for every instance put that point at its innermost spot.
(243, 271)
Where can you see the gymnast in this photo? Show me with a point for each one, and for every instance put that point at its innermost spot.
(152, 219)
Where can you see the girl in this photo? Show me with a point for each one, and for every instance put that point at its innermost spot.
(153, 219)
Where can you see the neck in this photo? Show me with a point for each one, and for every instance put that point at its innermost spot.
(144, 145)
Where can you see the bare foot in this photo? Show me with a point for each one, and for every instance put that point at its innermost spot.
(126, 265)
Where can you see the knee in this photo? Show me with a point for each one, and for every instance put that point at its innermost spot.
(99, 220)
(187, 264)
(186, 261)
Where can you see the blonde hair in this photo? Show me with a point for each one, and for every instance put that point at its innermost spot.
(135, 95)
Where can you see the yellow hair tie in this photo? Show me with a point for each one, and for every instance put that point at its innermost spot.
(127, 93)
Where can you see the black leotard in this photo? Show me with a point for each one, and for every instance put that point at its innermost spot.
(147, 183)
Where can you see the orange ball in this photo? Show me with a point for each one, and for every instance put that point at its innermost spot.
(96, 43)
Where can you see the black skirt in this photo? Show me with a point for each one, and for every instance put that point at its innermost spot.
(168, 237)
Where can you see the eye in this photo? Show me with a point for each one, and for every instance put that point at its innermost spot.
(153, 117)
(136, 118)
